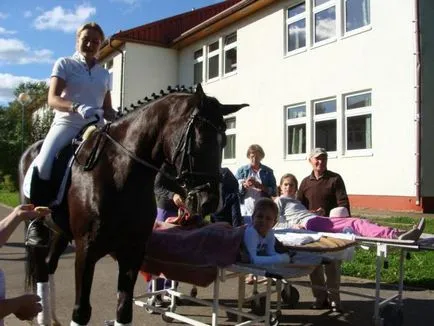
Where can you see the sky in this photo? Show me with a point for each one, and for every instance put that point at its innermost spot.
(33, 34)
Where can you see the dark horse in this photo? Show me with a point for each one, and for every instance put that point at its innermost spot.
(111, 207)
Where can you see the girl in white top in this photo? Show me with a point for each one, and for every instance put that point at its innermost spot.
(79, 93)
(259, 237)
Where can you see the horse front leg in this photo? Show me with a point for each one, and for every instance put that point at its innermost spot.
(126, 281)
(84, 271)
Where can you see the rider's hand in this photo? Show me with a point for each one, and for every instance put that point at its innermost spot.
(177, 199)
(86, 111)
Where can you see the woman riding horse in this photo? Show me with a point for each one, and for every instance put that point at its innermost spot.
(185, 131)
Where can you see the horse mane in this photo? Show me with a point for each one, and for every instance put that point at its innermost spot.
(126, 111)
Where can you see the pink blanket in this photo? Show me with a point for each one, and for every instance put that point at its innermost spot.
(192, 255)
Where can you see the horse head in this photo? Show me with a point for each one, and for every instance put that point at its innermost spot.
(196, 151)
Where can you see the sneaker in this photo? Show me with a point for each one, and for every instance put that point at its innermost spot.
(415, 233)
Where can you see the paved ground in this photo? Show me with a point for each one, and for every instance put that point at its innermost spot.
(418, 303)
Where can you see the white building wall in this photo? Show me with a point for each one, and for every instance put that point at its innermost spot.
(380, 59)
(148, 69)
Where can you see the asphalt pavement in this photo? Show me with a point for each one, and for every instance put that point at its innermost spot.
(418, 306)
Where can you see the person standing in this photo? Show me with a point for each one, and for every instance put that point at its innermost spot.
(79, 93)
(255, 181)
(320, 192)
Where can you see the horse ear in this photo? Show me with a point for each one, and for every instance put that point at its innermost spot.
(231, 108)
(199, 91)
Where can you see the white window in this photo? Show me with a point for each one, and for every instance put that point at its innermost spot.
(213, 60)
(295, 129)
(230, 150)
(324, 20)
(325, 129)
(357, 14)
(198, 66)
(296, 23)
(230, 53)
(358, 121)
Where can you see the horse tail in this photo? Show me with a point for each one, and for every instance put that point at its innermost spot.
(30, 263)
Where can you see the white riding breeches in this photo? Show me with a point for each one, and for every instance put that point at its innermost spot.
(59, 135)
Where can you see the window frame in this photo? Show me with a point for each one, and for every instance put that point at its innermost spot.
(296, 122)
(211, 54)
(325, 117)
(344, 21)
(294, 19)
(198, 60)
(355, 113)
(231, 132)
(226, 48)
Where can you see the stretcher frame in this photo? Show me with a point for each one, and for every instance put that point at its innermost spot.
(382, 247)
(271, 273)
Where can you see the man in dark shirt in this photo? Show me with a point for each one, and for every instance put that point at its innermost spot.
(320, 192)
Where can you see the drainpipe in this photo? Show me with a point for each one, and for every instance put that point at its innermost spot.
(418, 102)
(121, 94)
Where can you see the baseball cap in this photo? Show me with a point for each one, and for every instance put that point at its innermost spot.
(317, 152)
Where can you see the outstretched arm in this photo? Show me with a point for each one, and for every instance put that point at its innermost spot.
(24, 307)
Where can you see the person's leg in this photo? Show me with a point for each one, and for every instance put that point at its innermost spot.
(333, 273)
(320, 294)
(359, 226)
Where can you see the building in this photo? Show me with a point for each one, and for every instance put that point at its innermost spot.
(353, 76)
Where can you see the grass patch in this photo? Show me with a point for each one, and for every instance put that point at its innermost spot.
(418, 270)
(9, 198)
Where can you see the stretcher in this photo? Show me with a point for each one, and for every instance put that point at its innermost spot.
(388, 311)
(276, 276)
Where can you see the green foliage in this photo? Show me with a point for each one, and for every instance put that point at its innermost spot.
(418, 271)
(9, 198)
(8, 183)
(15, 130)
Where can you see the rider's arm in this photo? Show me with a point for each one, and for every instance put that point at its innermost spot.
(57, 85)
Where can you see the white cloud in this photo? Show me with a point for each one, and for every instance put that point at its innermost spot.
(14, 51)
(4, 31)
(64, 19)
(128, 2)
(8, 83)
(27, 14)
(3, 15)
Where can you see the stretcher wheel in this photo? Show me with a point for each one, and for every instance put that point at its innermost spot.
(166, 318)
(392, 315)
(258, 306)
(290, 296)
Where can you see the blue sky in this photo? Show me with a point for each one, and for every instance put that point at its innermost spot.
(35, 33)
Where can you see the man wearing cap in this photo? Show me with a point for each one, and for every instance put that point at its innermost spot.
(320, 192)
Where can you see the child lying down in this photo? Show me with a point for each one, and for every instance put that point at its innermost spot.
(292, 214)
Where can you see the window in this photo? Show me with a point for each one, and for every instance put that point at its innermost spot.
(230, 52)
(358, 114)
(296, 129)
(325, 124)
(296, 21)
(229, 150)
(213, 60)
(324, 13)
(357, 14)
(198, 66)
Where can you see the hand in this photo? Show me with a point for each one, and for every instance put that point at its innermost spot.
(177, 199)
(86, 111)
(320, 211)
(28, 306)
(26, 212)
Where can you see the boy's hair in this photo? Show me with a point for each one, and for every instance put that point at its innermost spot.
(265, 203)
(289, 176)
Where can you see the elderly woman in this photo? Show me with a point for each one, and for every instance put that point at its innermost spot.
(255, 180)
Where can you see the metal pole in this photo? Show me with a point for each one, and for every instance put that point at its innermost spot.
(22, 128)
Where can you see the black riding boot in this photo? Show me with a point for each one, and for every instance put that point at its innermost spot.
(38, 234)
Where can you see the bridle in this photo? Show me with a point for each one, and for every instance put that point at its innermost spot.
(184, 148)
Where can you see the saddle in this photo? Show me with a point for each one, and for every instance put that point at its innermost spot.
(60, 180)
